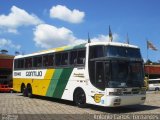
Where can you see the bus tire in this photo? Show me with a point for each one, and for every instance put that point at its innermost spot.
(22, 88)
(25, 92)
(156, 89)
(30, 95)
(79, 98)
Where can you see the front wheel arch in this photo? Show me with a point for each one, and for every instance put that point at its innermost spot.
(79, 97)
(157, 89)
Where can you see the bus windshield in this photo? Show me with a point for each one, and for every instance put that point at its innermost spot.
(115, 66)
(125, 74)
(101, 51)
(115, 51)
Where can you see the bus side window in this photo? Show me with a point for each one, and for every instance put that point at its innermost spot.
(45, 61)
(37, 61)
(21, 63)
(81, 57)
(28, 62)
(64, 59)
(51, 60)
(58, 59)
(15, 64)
(48, 60)
(73, 57)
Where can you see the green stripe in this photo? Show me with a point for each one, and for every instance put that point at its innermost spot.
(75, 47)
(79, 46)
(53, 82)
(62, 82)
(58, 82)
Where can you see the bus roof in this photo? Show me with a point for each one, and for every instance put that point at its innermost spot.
(113, 44)
(79, 46)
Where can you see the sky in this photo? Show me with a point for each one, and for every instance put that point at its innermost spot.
(28, 26)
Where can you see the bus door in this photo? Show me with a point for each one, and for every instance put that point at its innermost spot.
(102, 74)
(107, 73)
(99, 75)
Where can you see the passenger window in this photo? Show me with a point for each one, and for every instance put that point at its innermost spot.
(73, 57)
(48, 60)
(15, 64)
(58, 59)
(61, 59)
(64, 59)
(37, 61)
(28, 62)
(81, 57)
(45, 60)
(21, 63)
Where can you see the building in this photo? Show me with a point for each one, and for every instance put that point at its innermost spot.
(152, 71)
(6, 63)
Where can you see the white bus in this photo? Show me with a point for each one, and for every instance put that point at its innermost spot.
(154, 84)
(99, 73)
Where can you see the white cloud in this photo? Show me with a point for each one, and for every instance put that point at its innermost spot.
(65, 14)
(4, 43)
(16, 18)
(48, 36)
(105, 38)
(12, 30)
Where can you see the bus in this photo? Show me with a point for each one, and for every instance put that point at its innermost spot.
(99, 73)
(154, 84)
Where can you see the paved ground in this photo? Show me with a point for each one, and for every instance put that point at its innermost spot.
(45, 108)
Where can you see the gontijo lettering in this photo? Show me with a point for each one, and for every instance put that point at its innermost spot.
(34, 73)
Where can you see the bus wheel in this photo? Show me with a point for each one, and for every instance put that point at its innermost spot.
(79, 98)
(22, 88)
(25, 92)
(156, 89)
(30, 95)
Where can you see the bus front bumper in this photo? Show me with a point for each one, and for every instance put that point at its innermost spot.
(114, 101)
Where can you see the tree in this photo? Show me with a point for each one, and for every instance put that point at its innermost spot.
(3, 51)
(148, 62)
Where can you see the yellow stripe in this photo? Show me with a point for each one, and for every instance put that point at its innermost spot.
(60, 49)
(44, 84)
(56, 49)
(39, 86)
